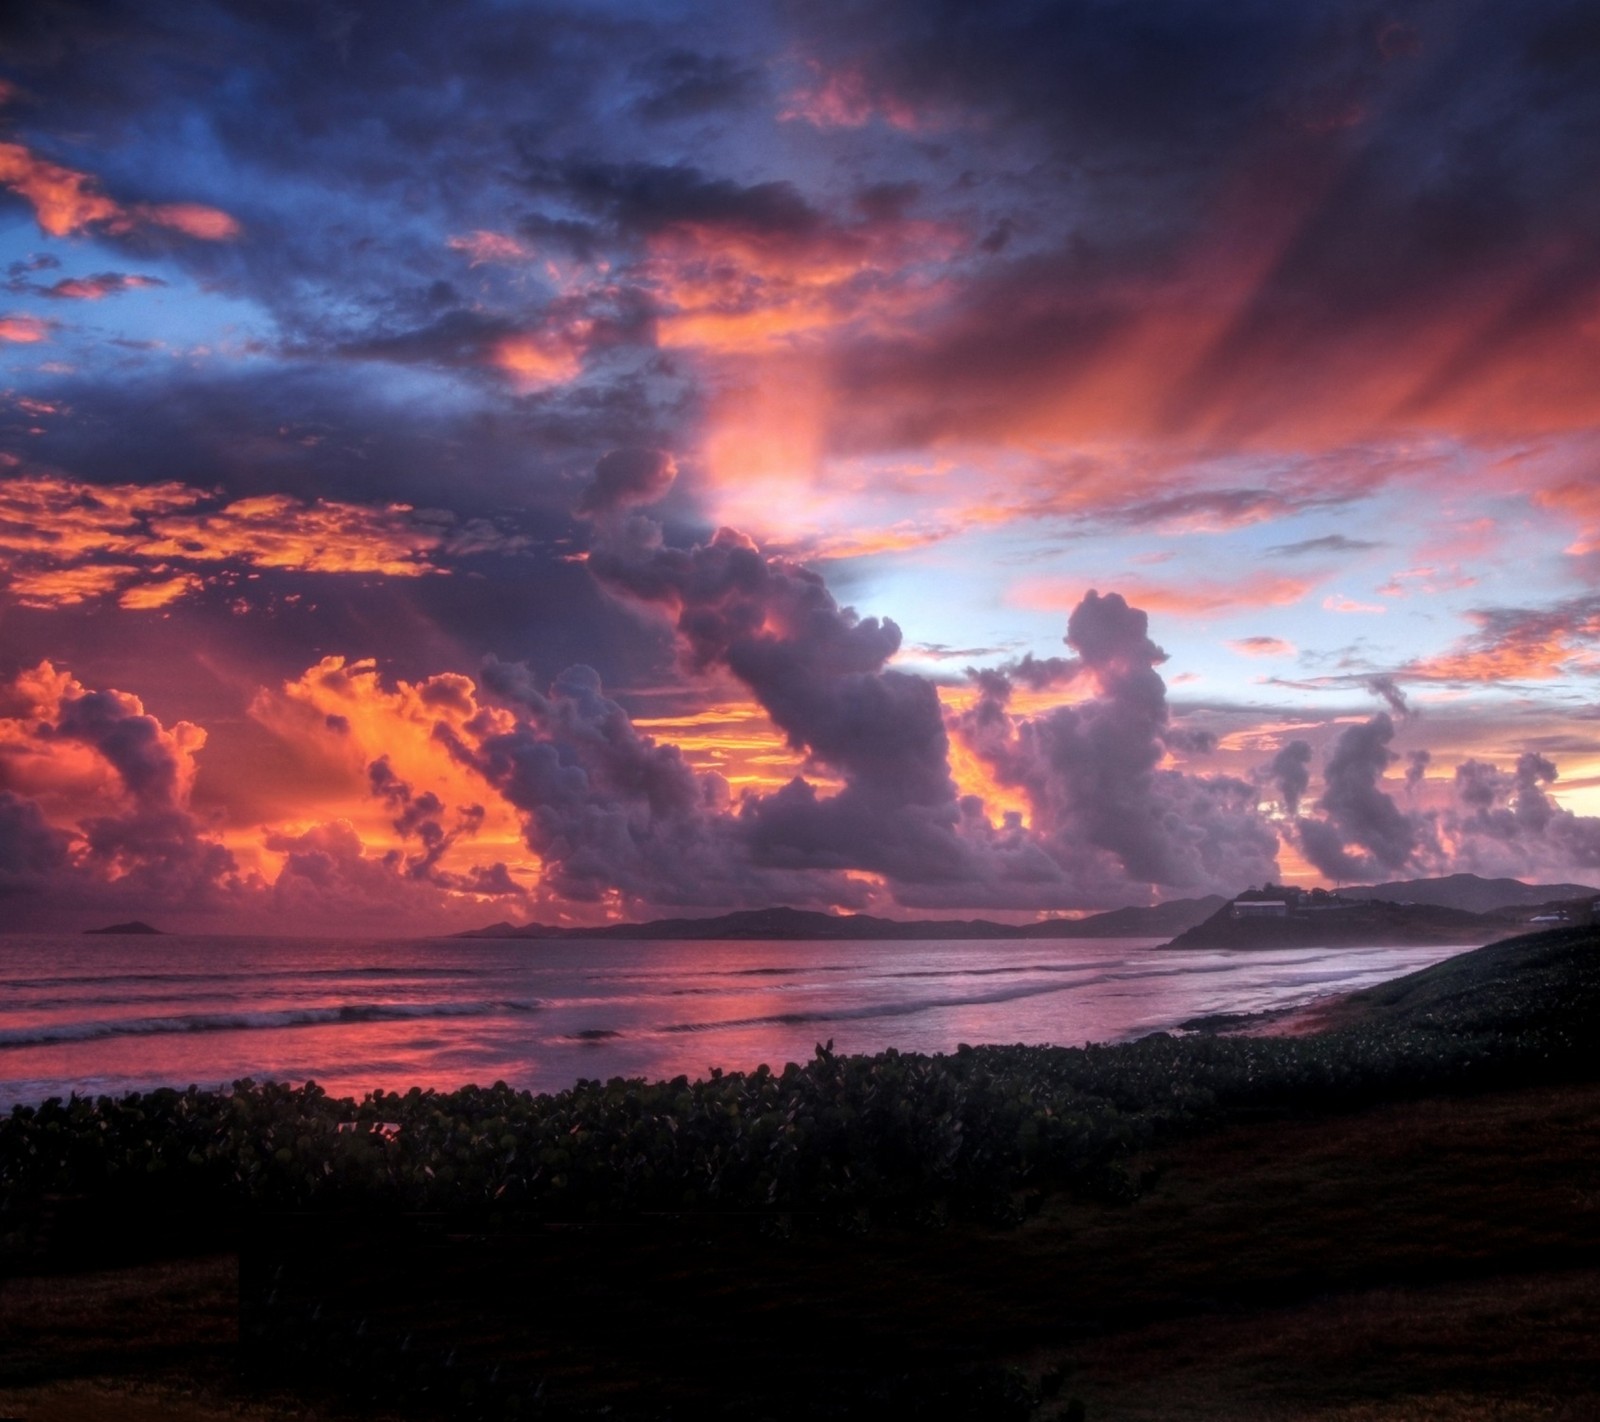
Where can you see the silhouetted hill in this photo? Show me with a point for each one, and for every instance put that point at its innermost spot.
(791, 923)
(1468, 891)
(133, 926)
(1336, 922)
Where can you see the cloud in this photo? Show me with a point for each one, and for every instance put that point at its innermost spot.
(1519, 644)
(1327, 543)
(1506, 822)
(626, 478)
(66, 201)
(63, 542)
(1389, 691)
(1338, 602)
(1359, 830)
(1289, 772)
(96, 287)
(1263, 647)
(97, 799)
(482, 247)
(24, 330)
(1580, 500)
(1195, 598)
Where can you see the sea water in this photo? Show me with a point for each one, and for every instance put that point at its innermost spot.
(111, 1014)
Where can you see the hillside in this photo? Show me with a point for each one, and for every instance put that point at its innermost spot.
(1340, 923)
(1470, 892)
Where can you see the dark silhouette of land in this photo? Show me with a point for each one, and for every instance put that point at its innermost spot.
(791, 923)
(1276, 916)
(132, 926)
(1470, 892)
(1443, 911)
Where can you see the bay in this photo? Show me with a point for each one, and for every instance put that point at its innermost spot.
(113, 1014)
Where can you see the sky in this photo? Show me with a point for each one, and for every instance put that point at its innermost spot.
(503, 461)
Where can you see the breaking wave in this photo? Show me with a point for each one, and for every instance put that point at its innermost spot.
(43, 1034)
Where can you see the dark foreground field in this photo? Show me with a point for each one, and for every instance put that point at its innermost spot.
(1409, 1257)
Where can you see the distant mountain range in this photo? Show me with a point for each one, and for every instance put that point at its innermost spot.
(1462, 908)
(1468, 891)
(135, 926)
(1160, 921)
(1418, 911)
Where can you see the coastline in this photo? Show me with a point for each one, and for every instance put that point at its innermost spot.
(1325, 1013)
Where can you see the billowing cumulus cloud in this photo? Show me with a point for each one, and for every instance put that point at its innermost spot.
(1359, 830)
(1105, 807)
(627, 477)
(121, 781)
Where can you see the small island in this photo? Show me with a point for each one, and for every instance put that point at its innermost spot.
(132, 926)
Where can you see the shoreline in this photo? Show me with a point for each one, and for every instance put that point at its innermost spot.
(1325, 1013)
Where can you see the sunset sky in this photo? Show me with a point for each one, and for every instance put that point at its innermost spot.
(505, 461)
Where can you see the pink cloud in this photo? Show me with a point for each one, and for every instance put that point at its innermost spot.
(24, 330)
(1263, 647)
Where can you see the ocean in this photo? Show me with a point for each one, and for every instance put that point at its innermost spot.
(99, 1015)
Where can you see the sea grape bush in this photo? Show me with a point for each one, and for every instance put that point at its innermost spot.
(894, 1133)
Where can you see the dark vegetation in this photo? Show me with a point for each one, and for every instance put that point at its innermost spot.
(884, 1236)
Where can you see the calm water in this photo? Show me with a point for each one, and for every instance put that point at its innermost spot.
(101, 1014)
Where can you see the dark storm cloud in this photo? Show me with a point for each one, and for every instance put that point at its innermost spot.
(1289, 773)
(1386, 689)
(1359, 829)
(33, 853)
(625, 478)
(639, 199)
(1408, 179)
(818, 670)
(150, 848)
(1101, 806)
(1508, 822)
(683, 84)
(610, 810)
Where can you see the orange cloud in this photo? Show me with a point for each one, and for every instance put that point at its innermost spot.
(1581, 501)
(70, 778)
(277, 531)
(738, 741)
(67, 587)
(145, 596)
(1263, 647)
(1517, 644)
(535, 361)
(66, 201)
(23, 330)
(1195, 599)
(340, 716)
(56, 536)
